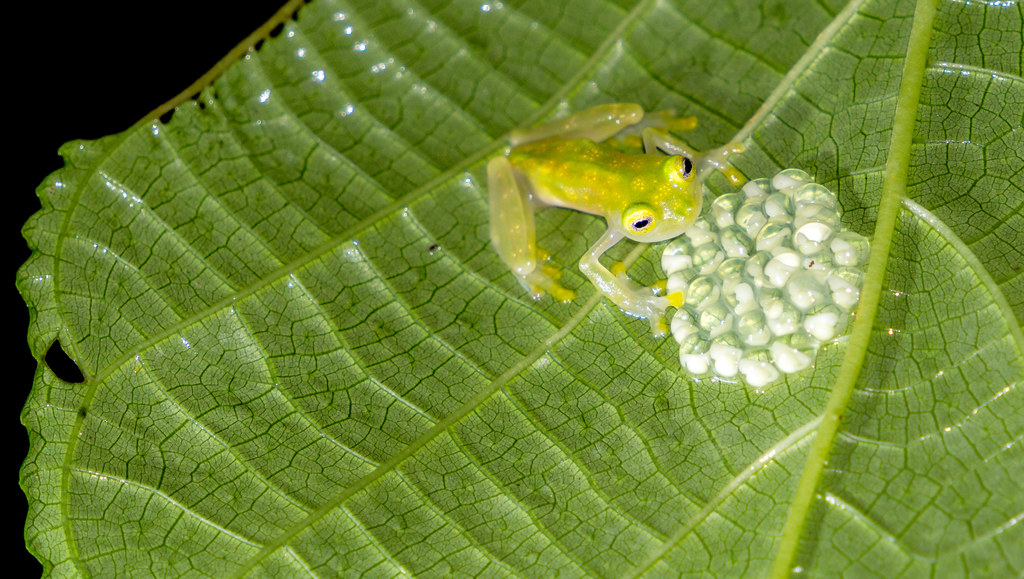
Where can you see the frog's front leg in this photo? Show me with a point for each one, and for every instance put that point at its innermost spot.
(638, 302)
(655, 139)
(512, 232)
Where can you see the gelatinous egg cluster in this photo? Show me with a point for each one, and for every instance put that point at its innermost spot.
(768, 275)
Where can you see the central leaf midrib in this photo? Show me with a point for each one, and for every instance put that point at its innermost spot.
(893, 191)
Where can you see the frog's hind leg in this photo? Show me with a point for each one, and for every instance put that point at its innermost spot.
(665, 120)
(657, 140)
(512, 232)
(597, 123)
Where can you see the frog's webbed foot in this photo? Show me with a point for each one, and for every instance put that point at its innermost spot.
(715, 159)
(649, 302)
(544, 279)
(637, 301)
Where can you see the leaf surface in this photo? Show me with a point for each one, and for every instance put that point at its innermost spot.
(302, 357)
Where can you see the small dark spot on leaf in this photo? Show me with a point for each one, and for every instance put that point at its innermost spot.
(275, 31)
(433, 249)
(810, 265)
(166, 117)
(62, 365)
(82, 411)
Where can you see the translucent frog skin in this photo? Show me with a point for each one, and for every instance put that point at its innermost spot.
(647, 197)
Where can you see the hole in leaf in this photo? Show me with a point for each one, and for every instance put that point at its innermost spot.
(275, 31)
(166, 117)
(62, 365)
(258, 45)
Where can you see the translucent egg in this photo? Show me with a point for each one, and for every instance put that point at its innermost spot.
(755, 266)
(723, 209)
(785, 320)
(779, 204)
(752, 328)
(823, 323)
(751, 218)
(677, 282)
(814, 193)
(700, 233)
(707, 257)
(776, 232)
(757, 372)
(788, 359)
(778, 270)
(683, 325)
(736, 242)
(702, 291)
(790, 179)
(811, 238)
(849, 248)
(757, 188)
(807, 289)
(715, 320)
(725, 358)
(678, 255)
(732, 267)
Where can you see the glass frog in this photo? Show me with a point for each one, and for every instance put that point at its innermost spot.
(647, 197)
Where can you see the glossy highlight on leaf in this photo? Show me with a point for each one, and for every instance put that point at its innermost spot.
(301, 357)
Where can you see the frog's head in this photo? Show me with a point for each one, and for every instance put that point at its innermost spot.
(670, 208)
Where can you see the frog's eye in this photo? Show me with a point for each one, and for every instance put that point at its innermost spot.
(687, 168)
(639, 218)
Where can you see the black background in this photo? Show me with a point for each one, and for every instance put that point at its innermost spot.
(82, 70)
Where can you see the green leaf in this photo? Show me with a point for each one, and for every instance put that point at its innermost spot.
(301, 356)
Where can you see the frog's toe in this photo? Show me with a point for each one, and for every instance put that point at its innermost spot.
(540, 282)
(659, 327)
(655, 313)
(551, 271)
(682, 123)
(562, 294)
(734, 176)
(557, 291)
(675, 299)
